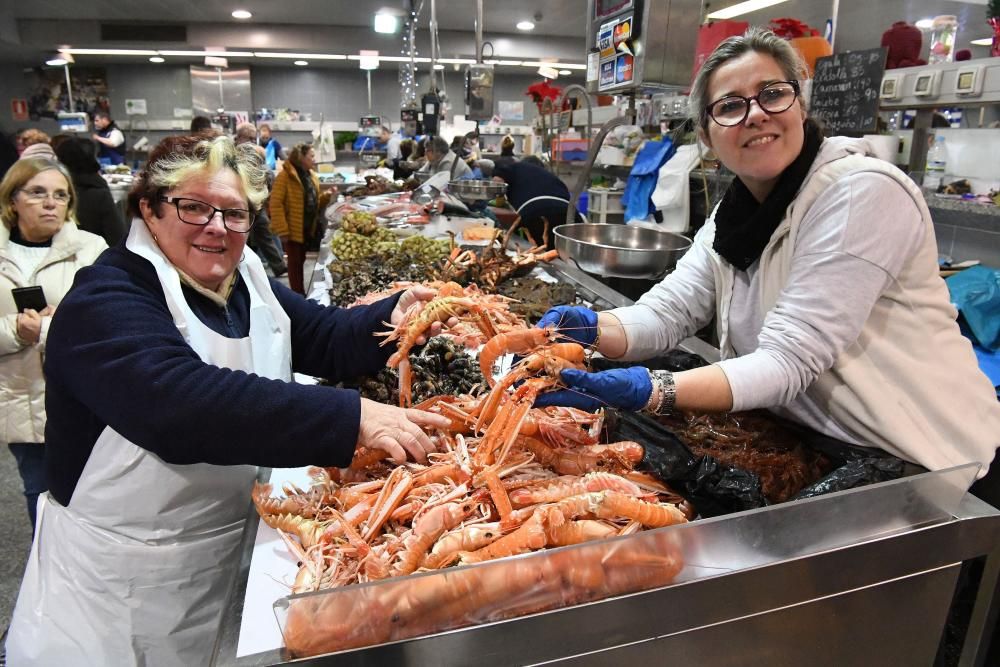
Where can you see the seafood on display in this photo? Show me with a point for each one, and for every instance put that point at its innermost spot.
(521, 480)
(493, 265)
(468, 306)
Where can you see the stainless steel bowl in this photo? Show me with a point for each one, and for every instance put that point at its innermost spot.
(620, 251)
(470, 190)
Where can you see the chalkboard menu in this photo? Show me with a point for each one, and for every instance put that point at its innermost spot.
(845, 90)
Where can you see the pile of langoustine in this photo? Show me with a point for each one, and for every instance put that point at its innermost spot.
(508, 479)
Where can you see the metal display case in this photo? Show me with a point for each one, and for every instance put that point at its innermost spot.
(859, 577)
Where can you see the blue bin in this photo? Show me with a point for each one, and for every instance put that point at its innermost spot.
(583, 203)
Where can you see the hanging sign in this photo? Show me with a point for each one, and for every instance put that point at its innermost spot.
(19, 109)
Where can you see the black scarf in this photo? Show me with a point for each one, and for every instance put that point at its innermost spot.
(308, 200)
(743, 226)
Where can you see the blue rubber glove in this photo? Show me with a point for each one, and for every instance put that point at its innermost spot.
(625, 388)
(575, 322)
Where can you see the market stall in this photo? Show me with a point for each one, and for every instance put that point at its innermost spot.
(824, 579)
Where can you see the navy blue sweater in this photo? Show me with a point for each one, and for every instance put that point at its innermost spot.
(114, 358)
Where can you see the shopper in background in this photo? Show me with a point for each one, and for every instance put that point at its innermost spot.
(538, 196)
(110, 138)
(35, 143)
(96, 211)
(441, 158)
(37, 248)
(838, 324)
(272, 149)
(169, 369)
(392, 141)
(296, 206)
(506, 151)
(261, 239)
(8, 153)
(200, 124)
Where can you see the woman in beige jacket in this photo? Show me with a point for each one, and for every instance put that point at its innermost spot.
(37, 248)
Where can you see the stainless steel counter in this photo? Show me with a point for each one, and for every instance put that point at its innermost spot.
(858, 577)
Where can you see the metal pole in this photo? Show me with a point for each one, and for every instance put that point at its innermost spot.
(69, 90)
(833, 16)
(369, 73)
(434, 53)
(222, 101)
(479, 31)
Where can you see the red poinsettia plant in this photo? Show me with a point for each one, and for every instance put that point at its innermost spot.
(790, 28)
(541, 91)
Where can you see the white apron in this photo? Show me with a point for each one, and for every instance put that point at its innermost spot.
(137, 569)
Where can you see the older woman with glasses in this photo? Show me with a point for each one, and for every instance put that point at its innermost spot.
(37, 249)
(820, 268)
(170, 369)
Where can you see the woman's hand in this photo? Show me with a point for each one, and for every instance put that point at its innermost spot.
(29, 325)
(411, 297)
(624, 388)
(575, 322)
(397, 430)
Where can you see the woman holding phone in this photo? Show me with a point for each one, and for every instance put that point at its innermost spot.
(37, 250)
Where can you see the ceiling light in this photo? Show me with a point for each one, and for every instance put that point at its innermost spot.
(299, 56)
(743, 8)
(439, 67)
(241, 14)
(986, 41)
(565, 72)
(503, 62)
(386, 23)
(57, 60)
(548, 72)
(525, 25)
(112, 52)
(156, 59)
(925, 24)
(301, 63)
(208, 52)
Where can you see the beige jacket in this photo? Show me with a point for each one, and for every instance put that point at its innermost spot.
(22, 385)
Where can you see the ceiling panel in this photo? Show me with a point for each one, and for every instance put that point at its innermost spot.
(557, 17)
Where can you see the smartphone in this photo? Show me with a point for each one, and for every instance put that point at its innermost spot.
(29, 297)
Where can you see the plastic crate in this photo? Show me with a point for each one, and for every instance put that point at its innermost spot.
(604, 205)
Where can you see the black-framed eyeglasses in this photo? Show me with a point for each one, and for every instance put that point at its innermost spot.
(773, 98)
(195, 212)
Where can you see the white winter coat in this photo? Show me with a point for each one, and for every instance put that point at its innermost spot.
(22, 385)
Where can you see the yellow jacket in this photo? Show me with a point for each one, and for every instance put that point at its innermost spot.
(287, 207)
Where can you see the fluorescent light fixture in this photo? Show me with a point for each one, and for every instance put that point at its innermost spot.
(57, 60)
(743, 8)
(548, 72)
(301, 63)
(241, 14)
(525, 25)
(206, 52)
(457, 61)
(112, 52)
(439, 67)
(386, 23)
(514, 63)
(299, 56)
(985, 41)
(156, 59)
(925, 24)
(565, 72)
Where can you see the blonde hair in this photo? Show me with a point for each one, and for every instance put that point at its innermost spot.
(33, 136)
(176, 160)
(20, 173)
